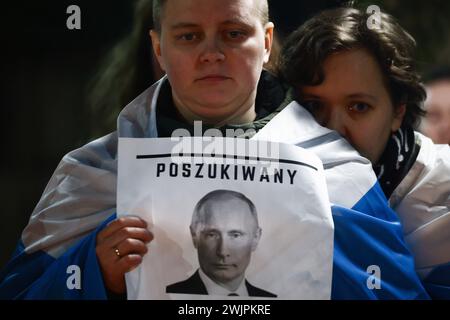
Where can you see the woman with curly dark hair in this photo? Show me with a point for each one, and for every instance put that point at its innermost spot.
(360, 80)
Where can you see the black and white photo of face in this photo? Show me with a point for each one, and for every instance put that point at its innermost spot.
(225, 236)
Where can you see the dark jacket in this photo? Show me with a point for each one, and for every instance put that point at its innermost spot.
(195, 285)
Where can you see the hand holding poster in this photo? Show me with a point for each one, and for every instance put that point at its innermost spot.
(228, 219)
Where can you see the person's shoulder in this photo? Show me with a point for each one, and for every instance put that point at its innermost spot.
(99, 153)
(431, 152)
(138, 118)
(258, 292)
(192, 285)
(427, 182)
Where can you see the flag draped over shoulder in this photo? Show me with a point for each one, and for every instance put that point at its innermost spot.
(80, 200)
(368, 234)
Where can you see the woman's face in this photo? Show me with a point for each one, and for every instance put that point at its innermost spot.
(353, 100)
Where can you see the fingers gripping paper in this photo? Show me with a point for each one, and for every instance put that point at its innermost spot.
(231, 218)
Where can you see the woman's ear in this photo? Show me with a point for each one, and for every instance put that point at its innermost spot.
(399, 115)
(268, 40)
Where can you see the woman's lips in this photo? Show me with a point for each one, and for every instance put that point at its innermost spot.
(213, 78)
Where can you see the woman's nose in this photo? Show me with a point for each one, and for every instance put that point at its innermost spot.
(211, 52)
(335, 120)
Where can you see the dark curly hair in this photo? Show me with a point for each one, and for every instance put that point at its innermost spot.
(305, 50)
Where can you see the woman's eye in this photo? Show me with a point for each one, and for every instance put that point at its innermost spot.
(359, 107)
(235, 34)
(187, 37)
(311, 105)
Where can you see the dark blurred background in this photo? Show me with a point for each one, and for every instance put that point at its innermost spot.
(46, 71)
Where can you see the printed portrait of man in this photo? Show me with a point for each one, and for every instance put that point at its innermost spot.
(225, 231)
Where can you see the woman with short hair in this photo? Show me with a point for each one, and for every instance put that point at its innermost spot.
(362, 82)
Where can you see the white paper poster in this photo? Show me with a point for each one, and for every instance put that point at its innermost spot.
(231, 218)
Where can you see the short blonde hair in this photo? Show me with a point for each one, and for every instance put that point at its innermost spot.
(158, 6)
